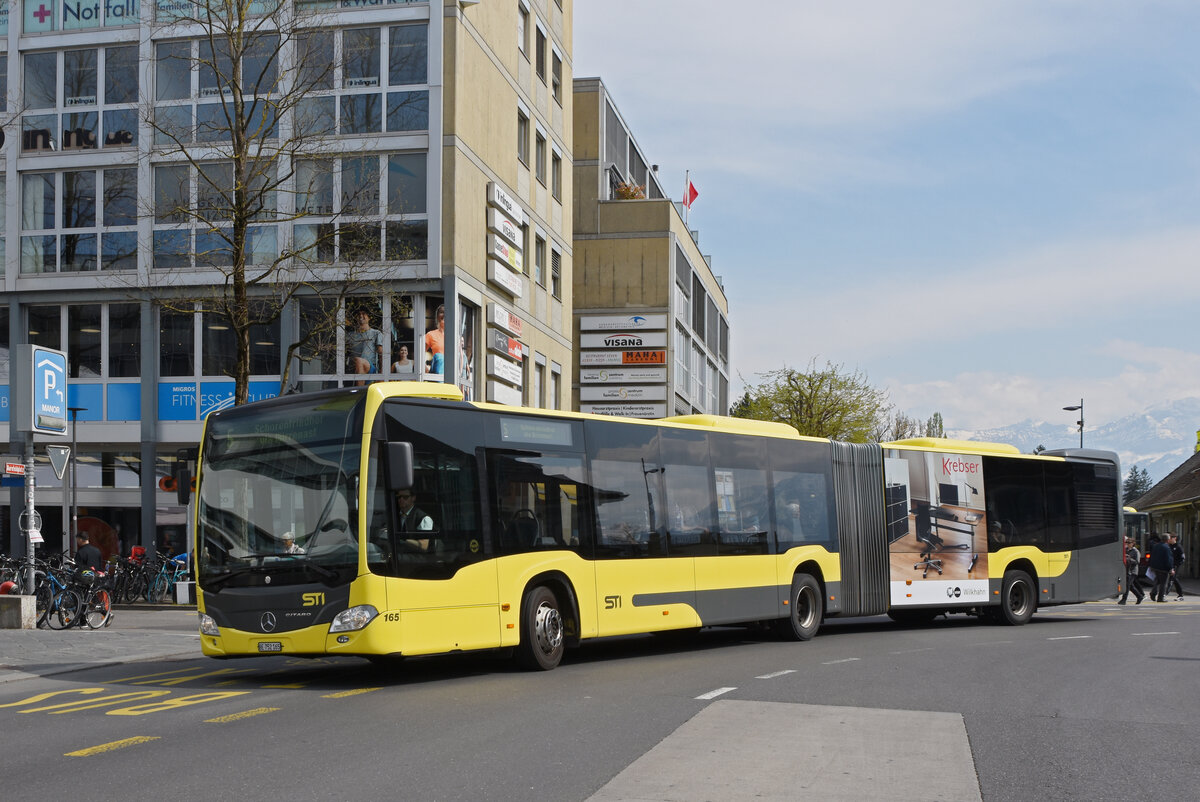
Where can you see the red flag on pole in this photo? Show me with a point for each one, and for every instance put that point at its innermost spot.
(689, 197)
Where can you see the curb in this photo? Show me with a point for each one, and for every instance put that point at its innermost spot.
(16, 675)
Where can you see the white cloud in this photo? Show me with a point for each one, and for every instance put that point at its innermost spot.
(980, 400)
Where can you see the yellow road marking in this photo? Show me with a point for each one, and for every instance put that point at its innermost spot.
(109, 747)
(158, 674)
(258, 711)
(292, 686)
(344, 694)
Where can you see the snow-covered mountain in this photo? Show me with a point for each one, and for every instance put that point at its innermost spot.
(1157, 439)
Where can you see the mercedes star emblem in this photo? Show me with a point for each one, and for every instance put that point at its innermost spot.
(267, 622)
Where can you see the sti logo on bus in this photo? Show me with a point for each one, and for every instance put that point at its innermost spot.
(313, 599)
(612, 602)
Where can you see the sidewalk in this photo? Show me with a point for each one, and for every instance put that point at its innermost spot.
(141, 632)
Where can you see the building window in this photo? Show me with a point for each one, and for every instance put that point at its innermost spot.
(72, 242)
(539, 383)
(523, 28)
(699, 299)
(683, 350)
(345, 206)
(556, 176)
(176, 338)
(124, 340)
(556, 76)
(540, 55)
(78, 115)
(523, 137)
(192, 104)
(555, 386)
(555, 273)
(83, 341)
(539, 261)
(539, 158)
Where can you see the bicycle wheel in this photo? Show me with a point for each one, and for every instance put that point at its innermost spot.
(67, 609)
(43, 601)
(158, 589)
(97, 609)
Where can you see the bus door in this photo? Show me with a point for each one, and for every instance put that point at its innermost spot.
(428, 539)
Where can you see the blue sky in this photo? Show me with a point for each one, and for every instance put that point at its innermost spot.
(990, 208)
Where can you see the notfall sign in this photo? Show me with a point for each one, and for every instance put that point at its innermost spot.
(74, 15)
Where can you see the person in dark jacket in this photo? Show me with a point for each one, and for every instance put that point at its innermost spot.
(86, 555)
(1132, 557)
(1162, 562)
(1177, 555)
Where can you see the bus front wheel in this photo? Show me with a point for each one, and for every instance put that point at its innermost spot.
(1018, 598)
(542, 642)
(807, 610)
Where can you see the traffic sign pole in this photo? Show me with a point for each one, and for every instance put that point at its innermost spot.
(30, 522)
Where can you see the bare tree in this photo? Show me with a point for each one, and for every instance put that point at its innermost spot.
(243, 127)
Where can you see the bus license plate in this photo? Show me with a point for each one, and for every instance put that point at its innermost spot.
(270, 646)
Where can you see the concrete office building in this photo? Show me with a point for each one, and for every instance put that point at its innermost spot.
(651, 319)
(447, 128)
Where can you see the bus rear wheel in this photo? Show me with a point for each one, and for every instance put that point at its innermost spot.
(807, 611)
(542, 631)
(1018, 598)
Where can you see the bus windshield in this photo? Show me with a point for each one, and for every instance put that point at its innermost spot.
(277, 493)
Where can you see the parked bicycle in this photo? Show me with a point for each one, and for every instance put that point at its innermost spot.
(58, 604)
(171, 570)
(96, 598)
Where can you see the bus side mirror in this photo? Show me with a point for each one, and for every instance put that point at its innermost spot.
(399, 466)
(183, 475)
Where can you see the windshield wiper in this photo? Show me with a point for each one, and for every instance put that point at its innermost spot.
(317, 568)
(264, 567)
(216, 582)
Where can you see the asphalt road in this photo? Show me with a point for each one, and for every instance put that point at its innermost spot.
(1088, 702)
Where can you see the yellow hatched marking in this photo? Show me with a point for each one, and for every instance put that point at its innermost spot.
(220, 672)
(97, 702)
(111, 746)
(43, 696)
(344, 694)
(291, 686)
(258, 711)
(159, 674)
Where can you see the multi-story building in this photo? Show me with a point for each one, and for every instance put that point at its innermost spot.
(430, 149)
(651, 318)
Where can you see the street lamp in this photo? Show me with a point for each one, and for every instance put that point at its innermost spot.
(1078, 407)
(74, 448)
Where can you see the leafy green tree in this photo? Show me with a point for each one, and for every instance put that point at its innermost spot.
(820, 402)
(934, 426)
(1136, 485)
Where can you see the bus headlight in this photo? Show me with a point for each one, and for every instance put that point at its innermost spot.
(208, 626)
(353, 619)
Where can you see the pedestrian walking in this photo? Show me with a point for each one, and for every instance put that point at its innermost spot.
(1162, 563)
(1178, 557)
(1132, 558)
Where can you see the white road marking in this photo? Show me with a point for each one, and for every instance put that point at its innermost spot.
(716, 693)
(1156, 633)
(1071, 637)
(913, 651)
(844, 660)
(776, 674)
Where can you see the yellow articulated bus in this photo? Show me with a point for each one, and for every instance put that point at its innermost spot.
(397, 519)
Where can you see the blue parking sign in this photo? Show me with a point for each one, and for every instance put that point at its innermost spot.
(49, 391)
